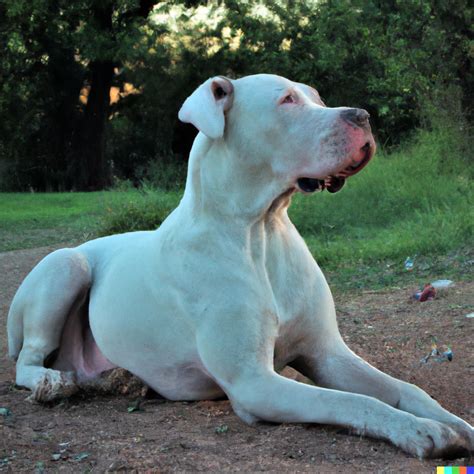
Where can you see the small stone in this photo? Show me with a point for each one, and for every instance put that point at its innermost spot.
(81, 456)
(118, 465)
(5, 411)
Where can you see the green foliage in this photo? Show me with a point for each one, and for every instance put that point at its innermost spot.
(167, 175)
(45, 66)
(382, 56)
(413, 202)
(390, 57)
(143, 210)
(406, 203)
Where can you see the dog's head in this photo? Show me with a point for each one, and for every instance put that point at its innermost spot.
(283, 126)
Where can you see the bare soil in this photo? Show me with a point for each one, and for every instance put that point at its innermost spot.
(96, 432)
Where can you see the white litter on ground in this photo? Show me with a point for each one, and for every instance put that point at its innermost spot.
(441, 284)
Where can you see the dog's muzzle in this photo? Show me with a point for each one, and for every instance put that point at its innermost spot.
(334, 183)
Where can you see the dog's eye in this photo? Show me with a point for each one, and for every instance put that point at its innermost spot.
(289, 99)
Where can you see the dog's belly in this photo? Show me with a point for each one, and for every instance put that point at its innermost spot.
(182, 382)
(163, 355)
(143, 326)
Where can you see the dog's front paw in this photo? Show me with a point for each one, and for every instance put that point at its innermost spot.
(431, 439)
(464, 430)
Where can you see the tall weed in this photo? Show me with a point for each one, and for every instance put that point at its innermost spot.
(144, 210)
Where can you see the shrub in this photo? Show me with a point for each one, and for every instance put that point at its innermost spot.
(145, 210)
(166, 174)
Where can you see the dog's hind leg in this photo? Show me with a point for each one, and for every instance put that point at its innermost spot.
(36, 319)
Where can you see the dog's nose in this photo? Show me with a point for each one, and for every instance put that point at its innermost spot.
(358, 117)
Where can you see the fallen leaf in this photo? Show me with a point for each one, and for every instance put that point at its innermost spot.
(81, 456)
(135, 406)
(222, 429)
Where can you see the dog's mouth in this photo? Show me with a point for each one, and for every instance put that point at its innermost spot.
(335, 183)
(331, 183)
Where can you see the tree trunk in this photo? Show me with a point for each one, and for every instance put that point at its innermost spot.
(94, 173)
(65, 79)
(94, 170)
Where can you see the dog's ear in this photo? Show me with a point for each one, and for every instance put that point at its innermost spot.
(205, 108)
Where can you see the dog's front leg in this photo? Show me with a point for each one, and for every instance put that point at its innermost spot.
(237, 351)
(333, 365)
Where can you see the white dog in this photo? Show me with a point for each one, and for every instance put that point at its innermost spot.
(225, 293)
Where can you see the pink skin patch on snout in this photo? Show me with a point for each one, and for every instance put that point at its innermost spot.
(361, 148)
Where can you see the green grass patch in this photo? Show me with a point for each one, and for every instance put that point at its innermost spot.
(36, 219)
(140, 211)
(413, 203)
(417, 202)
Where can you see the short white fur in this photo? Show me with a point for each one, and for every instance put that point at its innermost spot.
(225, 293)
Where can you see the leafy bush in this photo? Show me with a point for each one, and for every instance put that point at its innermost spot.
(145, 210)
(167, 175)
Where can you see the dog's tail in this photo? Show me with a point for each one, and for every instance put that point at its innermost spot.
(15, 329)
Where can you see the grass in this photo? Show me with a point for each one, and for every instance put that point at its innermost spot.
(140, 211)
(36, 219)
(400, 196)
(416, 202)
(406, 204)
(30, 220)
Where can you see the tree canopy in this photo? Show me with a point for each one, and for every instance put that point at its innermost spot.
(90, 89)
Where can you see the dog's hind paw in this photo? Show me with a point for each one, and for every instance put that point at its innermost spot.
(54, 385)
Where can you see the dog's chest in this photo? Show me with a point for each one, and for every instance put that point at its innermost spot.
(299, 293)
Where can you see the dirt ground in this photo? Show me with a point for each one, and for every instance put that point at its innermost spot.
(96, 433)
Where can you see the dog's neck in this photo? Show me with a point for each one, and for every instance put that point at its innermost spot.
(226, 186)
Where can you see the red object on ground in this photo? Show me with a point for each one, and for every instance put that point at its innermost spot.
(428, 293)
